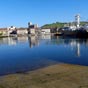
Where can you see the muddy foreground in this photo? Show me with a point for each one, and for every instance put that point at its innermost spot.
(55, 76)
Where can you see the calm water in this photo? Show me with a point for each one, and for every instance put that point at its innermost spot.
(29, 53)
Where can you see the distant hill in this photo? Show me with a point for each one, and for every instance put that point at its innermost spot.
(60, 25)
(54, 25)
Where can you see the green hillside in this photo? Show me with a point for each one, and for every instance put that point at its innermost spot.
(54, 25)
(60, 25)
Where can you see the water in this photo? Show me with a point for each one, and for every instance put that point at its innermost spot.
(28, 53)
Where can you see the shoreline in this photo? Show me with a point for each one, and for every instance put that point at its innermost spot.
(55, 76)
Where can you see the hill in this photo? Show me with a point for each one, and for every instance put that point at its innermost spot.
(60, 24)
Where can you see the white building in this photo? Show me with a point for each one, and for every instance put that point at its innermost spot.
(45, 31)
(73, 25)
(32, 28)
(77, 20)
(22, 31)
(32, 31)
(11, 29)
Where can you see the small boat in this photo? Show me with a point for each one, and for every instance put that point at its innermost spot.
(58, 34)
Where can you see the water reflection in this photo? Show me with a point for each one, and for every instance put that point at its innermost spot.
(49, 40)
(32, 52)
(75, 44)
(45, 37)
(22, 39)
(8, 41)
(33, 41)
(13, 40)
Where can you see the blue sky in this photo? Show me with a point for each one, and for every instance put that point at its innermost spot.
(20, 12)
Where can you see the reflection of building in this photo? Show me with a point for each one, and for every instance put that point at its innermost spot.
(78, 50)
(33, 41)
(22, 39)
(75, 44)
(12, 41)
(8, 41)
(45, 37)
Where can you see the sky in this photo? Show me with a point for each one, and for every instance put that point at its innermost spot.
(19, 12)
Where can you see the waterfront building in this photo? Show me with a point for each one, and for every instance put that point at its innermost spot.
(77, 20)
(45, 31)
(11, 30)
(32, 28)
(73, 25)
(70, 28)
(22, 31)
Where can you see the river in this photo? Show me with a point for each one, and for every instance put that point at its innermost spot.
(21, 54)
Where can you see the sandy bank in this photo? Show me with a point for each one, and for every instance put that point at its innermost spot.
(55, 76)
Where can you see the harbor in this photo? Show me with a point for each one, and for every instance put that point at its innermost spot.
(43, 44)
(38, 57)
(72, 29)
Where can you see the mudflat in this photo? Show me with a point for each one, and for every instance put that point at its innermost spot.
(55, 76)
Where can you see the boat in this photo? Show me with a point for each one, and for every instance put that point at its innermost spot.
(58, 34)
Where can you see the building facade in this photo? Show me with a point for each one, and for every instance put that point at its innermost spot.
(32, 28)
(22, 31)
(45, 31)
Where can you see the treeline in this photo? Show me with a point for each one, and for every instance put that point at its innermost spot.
(61, 25)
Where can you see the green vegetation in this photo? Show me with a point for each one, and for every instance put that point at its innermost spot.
(1, 33)
(60, 25)
(54, 25)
